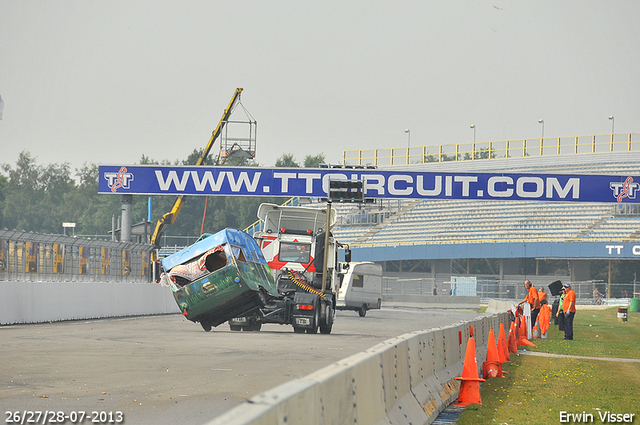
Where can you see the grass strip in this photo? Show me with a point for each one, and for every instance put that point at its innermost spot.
(537, 390)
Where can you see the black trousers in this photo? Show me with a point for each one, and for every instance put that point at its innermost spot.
(534, 316)
(568, 325)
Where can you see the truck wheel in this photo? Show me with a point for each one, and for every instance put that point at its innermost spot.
(298, 330)
(255, 326)
(235, 328)
(316, 319)
(325, 328)
(363, 310)
(206, 326)
(261, 300)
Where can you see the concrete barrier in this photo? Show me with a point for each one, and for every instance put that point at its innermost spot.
(499, 306)
(408, 379)
(39, 302)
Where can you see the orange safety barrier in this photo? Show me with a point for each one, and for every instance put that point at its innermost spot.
(470, 385)
(493, 366)
(503, 347)
(522, 337)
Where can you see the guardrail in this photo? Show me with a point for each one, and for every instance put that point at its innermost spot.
(546, 146)
(34, 257)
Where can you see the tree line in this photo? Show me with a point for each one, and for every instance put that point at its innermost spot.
(39, 198)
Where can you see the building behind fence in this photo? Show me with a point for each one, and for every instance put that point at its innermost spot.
(33, 257)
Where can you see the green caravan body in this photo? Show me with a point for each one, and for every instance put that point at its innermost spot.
(219, 277)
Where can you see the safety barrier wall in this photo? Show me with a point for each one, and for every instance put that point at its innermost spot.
(38, 302)
(408, 379)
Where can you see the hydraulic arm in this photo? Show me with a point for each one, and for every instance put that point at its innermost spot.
(170, 217)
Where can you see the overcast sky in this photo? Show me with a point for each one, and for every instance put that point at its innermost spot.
(106, 81)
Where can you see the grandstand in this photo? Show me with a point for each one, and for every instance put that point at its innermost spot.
(444, 232)
(464, 221)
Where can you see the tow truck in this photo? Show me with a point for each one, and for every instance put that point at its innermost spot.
(275, 277)
(292, 240)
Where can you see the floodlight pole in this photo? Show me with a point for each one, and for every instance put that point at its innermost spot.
(326, 247)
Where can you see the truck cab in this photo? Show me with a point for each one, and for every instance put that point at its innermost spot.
(292, 240)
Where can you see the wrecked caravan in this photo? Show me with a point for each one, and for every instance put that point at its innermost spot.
(360, 288)
(219, 277)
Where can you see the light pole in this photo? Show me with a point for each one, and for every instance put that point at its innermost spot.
(473, 147)
(408, 143)
(541, 121)
(613, 121)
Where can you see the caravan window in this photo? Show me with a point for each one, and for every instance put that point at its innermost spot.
(296, 252)
(358, 281)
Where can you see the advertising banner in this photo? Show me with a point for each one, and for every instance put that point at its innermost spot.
(378, 184)
(105, 261)
(126, 262)
(31, 259)
(4, 254)
(145, 263)
(58, 257)
(83, 260)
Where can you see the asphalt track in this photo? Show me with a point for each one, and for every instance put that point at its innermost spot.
(166, 370)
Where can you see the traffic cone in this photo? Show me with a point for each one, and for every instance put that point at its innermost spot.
(512, 342)
(470, 385)
(522, 339)
(503, 348)
(536, 330)
(493, 366)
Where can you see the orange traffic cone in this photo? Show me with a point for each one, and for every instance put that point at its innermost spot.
(470, 385)
(536, 330)
(503, 348)
(493, 366)
(522, 339)
(513, 345)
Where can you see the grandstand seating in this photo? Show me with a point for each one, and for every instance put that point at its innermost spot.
(465, 221)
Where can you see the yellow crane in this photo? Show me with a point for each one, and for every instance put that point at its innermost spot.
(170, 217)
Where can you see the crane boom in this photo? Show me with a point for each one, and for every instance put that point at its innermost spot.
(170, 217)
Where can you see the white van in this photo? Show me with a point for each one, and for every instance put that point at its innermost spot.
(360, 288)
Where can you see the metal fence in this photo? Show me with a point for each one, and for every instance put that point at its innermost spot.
(545, 146)
(508, 289)
(34, 257)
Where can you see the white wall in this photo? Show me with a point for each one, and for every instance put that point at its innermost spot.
(37, 302)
